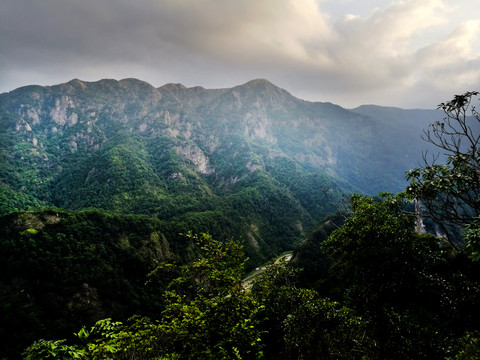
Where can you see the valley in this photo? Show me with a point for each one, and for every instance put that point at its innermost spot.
(102, 182)
(253, 153)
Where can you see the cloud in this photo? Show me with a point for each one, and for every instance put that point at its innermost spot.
(372, 56)
(458, 45)
(249, 31)
(453, 60)
(376, 50)
(380, 56)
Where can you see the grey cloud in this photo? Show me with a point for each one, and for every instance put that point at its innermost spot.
(223, 43)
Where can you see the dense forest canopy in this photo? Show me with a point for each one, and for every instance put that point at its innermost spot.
(133, 280)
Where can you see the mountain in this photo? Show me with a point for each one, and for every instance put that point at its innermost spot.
(405, 128)
(250, 162)
(252, 153)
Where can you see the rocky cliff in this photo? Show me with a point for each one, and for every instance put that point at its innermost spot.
(253, 151)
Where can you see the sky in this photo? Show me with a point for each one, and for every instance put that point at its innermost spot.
(405, 53)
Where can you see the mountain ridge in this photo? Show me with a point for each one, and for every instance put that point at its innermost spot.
(107, 174)
(126, 146)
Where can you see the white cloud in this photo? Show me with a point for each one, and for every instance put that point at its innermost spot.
(449, 51)
(378, 47)
(328, 50)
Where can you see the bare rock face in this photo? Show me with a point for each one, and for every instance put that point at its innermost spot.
(32, 115)
(147, 138)
(259, 127)
(62, 113)
(196, 156)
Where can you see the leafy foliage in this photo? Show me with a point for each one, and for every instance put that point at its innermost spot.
(11, 200)
(469, 348)
(472, 237)
(299, 324)
(397, 295)
(451, 192)
(62, 269)
(207, 315)
(375, 288)
(401, 282)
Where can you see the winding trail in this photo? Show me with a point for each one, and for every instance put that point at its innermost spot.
(284, 258)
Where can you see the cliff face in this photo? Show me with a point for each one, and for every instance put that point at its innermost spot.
(251, 163)
(129, 147)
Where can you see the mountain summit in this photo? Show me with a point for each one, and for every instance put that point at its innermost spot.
(252, 156)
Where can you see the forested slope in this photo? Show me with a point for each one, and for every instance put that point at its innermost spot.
(136, 166)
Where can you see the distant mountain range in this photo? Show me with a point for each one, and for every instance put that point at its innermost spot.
(253, 156)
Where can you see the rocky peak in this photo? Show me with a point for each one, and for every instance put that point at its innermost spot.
(262, 94)
(259, 84)
(78, 84)
(173, 87)
(262, 86)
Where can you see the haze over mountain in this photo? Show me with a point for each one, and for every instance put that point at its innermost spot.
(171, 151)
(250, 162)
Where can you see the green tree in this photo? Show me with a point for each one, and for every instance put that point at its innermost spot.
(299, 324)
(451, 191)
(387, 273)
(469, 347)
(207, 315)
(207, 309)
(473, 238)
